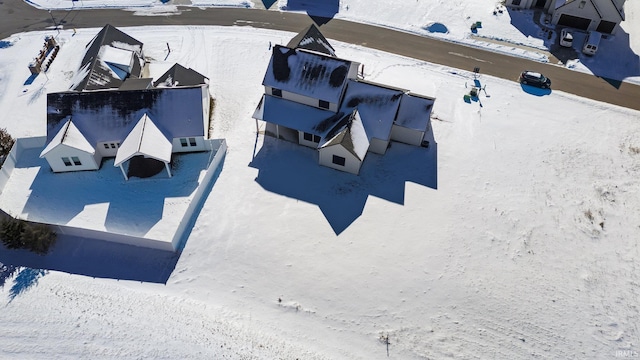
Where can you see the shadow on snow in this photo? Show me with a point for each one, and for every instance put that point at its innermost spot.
(292, 170)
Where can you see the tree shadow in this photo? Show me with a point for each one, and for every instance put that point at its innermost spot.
(614, 60)
(291, 170)
(25, 279)
(320, 11)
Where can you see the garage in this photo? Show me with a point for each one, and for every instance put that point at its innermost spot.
(606, 27)
(574, 22)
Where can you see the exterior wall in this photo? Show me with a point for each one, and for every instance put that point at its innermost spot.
(351, 165)
(407, 136)
(303, 99)
(178, 148)
(206, 105)
(378, 146)
(88, 161)
(528, 4)
(608, 13)
(111, 151)
(304, 142)
(218, 149)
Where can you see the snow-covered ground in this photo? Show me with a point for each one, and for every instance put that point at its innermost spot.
(516, 32)
(514, 238)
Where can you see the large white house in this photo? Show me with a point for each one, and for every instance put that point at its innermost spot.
(316, 99)
(603, 16)
(115, 113)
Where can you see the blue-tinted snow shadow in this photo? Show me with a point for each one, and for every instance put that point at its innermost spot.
(25, 279)
(134, 206)
(97, 258)
(614, 60)
(437, 28)
(293, 171)
(320, 11)
(268, 3)
(535, 90)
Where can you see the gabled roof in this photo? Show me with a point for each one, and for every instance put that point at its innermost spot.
(178, 75)
(312, 39)
(415, 111)
(307, 73)
(94, 73)
(296, 116)
(377, 106)
(136, 84)
(144, 139)
(104, 116)
(350, 133)
(70, 136)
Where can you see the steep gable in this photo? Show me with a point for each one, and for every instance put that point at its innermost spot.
(312, 39)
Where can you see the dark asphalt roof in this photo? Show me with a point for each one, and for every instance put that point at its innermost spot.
(98, 76)
(178, 75)
(110, 115)
(136, 84)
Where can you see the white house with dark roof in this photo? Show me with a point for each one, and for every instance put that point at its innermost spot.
(603, 16)
(316, 99)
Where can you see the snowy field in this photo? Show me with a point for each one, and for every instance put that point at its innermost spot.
(516, 32)
(514, 238)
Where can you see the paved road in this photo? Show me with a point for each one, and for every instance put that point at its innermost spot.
(16, 16)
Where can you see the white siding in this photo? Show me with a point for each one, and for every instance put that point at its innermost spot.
(206, 104)
(301, 99)
(177, 144)
(304, 142)
(378, 146)
(110, 152)
(351, 165)
(88, 161)
(407, 136)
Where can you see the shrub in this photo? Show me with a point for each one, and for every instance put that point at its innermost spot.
(11, 233)
(38, 238)
(18, 234)
(6, 142)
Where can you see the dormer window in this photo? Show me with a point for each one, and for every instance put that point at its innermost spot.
(323, 104)
(276, 92)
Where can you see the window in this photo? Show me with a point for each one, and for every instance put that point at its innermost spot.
(76, 160)
(192, 141)
(276, 92)
(324, 104)
(338, 160)
(183, 142)
(113, 146)
(66, 161)
(311, 137)
(106, 146)
(515, 2)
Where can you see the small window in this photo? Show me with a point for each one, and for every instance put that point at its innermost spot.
(338, 160)
(316, 138)
(113, 146)
(324, 104)
(308, 137)
(117, 144)
(515, 2)
(183, 142)
(106, 146)
(76, 160)
(192, 141)
(276, 92)
(66, 161)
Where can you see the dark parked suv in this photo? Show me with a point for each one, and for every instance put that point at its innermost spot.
(535, 79)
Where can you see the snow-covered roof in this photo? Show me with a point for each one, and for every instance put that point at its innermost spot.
(178, 75)
(312, 39)
(110, 115)
(118, 57)
(307, 73)
(69, 135)
(415, 111)
(377, 106)
(144, 139)
(350, 133)
(95, 73)
(296, 116)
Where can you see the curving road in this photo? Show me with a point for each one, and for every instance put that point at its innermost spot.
(16, 16)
